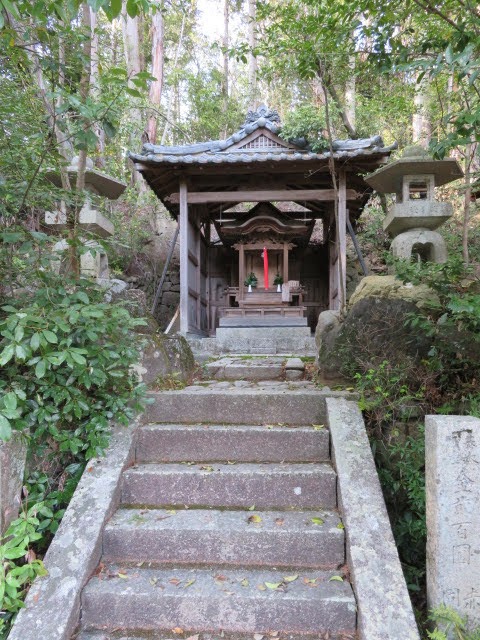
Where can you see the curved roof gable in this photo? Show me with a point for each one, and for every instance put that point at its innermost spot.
(257, 139)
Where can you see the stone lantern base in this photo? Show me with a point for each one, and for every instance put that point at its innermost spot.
(427, 244)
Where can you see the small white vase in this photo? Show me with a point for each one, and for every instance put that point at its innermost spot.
(279, 288)
(249, 288)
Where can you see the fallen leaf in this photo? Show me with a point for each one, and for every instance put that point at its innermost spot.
(171, 512)
(279, 522)
(312, 582)
(257, 636)
(231, 462)
(290, 578)
(219, 579)
(273, 585)
(206, 468)
(317, 521)
(340, 525)
(122, 575)
(317, 427)
(189, 583)
(174, 581)
(252, 508)
(244, 582)
(273, 634)
(177, 630)
(336, 579)
(30, 556)
(254, 519)
(261, 587)
(153, 581)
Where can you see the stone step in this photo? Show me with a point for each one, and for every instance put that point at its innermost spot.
(310, 539)
(276, 486)
(238, 405)
(195, 600)
(207, 443)
(246, 368)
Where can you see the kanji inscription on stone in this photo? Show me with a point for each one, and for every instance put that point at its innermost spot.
(452, 447)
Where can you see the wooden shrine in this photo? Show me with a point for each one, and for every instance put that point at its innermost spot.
(258, 193)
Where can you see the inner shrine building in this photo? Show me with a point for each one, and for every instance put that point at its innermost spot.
(263, 222)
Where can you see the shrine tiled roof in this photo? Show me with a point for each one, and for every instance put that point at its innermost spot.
(258, 140)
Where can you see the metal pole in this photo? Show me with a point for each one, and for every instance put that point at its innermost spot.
(357, 246)
(165, 269)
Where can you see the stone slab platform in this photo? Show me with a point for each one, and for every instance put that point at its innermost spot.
(275, 486)
(212, 537)
(263, 321)
(211, 443)
(213, 600)
(269, 340)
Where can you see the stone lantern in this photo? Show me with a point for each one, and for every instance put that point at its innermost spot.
(413, 219)
(97, 184)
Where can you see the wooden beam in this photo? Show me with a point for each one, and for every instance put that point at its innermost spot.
(183, 220)
(277, 195)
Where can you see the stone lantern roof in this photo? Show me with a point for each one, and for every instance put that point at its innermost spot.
(95, 181)
(415, 161)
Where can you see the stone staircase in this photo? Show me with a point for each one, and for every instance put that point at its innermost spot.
(228, 523)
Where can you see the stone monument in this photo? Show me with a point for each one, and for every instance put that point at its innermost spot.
(94, 262)
(452, 445)
(413, 219)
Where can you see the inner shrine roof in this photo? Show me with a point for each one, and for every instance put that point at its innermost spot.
(265, 218)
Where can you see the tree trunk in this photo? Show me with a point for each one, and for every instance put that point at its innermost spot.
(155, 95)
(173, 90)
(350, 93)
(95, 89)
(469, 154)
(421, 128)
(131, 47)
(252, 59)
(329, 85)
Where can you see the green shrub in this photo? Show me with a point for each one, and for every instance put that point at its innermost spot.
(449, 624)
(18, 563)
(65, 357)
(66, 361)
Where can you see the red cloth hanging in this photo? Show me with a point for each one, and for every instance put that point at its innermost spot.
(265, 267)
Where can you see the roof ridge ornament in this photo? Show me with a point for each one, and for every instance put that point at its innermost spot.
(262, 112)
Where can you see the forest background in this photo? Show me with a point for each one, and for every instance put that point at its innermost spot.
(98, 79)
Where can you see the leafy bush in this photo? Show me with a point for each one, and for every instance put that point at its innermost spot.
(66, 359)
(15, 577)
(449, 624)
(453, 326)
(65, 356)
(308, 123)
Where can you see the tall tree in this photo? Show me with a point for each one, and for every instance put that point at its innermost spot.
(252, 56)
(156, 85)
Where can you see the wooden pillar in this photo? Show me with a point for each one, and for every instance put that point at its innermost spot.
(285, 262)
(198, 274)
(184, 323)
(342, 237)
(241, 271)
(208, 228)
